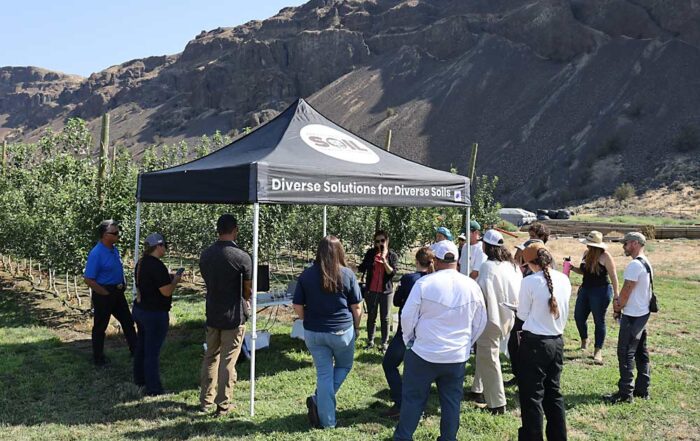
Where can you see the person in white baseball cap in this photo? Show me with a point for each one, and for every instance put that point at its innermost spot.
(499, 280)
(442, 317)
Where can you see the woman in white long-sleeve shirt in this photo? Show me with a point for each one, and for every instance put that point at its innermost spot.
(499, 280)
(544, 308)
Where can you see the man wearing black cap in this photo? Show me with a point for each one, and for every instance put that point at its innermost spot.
(104, 275)
(227, 272)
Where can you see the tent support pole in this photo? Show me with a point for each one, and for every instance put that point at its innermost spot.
(325, 220)
(254, 306)
(468, 233)
(137, 238)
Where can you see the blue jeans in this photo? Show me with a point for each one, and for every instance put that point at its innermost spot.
(393, 357)
(595, 299)
(325, 348)
(152, 326)
(419, 375)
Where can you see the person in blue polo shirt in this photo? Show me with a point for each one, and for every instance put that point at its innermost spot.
(104, 275)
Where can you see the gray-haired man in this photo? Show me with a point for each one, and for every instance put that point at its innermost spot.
(104, 274)
(632, 306)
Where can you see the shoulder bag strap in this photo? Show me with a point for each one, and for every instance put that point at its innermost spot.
(651, 276)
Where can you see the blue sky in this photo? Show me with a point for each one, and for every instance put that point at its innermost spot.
(81, 37)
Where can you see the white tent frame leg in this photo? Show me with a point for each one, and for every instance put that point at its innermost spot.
(467, 232)
(325, 220)
(254, 305)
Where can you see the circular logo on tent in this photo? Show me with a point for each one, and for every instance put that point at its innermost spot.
(337, 144)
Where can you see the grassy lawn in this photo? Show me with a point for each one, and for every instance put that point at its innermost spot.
(643, 220)
(51, 391)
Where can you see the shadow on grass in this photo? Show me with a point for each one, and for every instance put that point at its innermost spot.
(575, 400)
(371, 356)
(45, 380)
(229, 426)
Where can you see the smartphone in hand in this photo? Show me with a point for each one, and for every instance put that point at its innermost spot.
(180, 271)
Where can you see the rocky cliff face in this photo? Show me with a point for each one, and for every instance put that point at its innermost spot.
(567, 98)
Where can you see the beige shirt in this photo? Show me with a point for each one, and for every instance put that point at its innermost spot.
(500, 283)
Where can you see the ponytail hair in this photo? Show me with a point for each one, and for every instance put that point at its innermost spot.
(544, 260)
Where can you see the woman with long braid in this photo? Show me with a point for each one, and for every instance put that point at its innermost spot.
(544, 308)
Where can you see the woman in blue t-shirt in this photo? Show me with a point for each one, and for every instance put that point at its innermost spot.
(393, 357)
(327, 298)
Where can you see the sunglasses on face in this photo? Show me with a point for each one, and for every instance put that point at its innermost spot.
(113, 233)
(379, 240)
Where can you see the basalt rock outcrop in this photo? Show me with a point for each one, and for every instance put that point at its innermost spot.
(567, 98)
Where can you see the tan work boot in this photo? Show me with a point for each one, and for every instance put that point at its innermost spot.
(584, 343)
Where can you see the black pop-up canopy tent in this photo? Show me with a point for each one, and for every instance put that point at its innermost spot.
(301, 157)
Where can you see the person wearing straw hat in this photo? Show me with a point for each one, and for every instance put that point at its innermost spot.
(499, 280)
(596, 292)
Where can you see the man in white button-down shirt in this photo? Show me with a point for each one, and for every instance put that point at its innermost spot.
(443, 316)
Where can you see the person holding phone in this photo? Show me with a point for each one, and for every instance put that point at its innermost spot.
(155, 287)
(379, 266)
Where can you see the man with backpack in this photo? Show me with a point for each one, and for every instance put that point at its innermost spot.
(632, 307)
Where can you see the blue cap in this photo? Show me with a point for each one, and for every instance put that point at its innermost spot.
(474, 226)
(445, 232)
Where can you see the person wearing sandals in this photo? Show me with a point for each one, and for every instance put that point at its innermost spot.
(393, 357)
(596, 291)
(543, 306)
(155, 287)
(327, 298)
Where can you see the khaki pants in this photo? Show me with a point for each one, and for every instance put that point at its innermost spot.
(488, 377)
(219, 366)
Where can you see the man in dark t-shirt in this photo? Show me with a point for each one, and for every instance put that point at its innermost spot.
(227, 272)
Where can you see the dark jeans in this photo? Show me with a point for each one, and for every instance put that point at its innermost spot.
(152, 327)
(513, 346)
(539, 371)
(106, 306)
(382, 302)
(419, 375)
(393, 357)
(631, 350)
(595, 299)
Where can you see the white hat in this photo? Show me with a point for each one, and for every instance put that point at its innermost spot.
(493, 237)
(594, 239)
(443, 248)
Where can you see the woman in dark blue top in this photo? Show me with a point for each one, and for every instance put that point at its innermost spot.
(396, 350)
(327, 298)
(153, 300)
